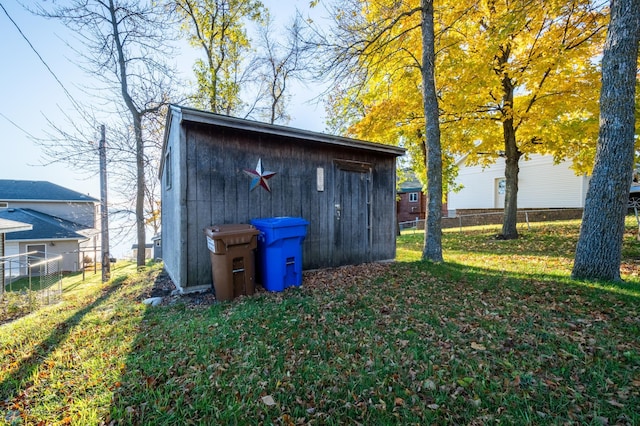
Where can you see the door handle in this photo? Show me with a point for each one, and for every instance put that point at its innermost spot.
(338, 211)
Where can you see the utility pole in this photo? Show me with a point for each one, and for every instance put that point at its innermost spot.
(104, 214)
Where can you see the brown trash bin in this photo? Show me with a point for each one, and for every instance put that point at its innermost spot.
(231, 248)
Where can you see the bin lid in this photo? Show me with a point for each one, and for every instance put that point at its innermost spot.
(279, 222)
(216, 231)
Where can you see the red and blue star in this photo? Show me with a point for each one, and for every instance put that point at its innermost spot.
(259, 177)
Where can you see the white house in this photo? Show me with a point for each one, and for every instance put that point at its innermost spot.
(7, 226)
(62, 222)
(541, 184)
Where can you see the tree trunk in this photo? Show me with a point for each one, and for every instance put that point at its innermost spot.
(511, 151)
(136, 117)
(140, 185)
(511, 170)
(599, 249)
(433, 226)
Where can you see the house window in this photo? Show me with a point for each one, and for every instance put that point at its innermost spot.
(502, 186)
(167, 170)
(40, 250)
(3, 204)
(413, 197)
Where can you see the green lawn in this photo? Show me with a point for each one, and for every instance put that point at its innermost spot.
(497, 333)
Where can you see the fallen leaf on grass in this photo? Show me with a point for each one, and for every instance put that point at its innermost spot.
(433, 406)
(429, 384)
(465, 381)
(399, 402)
(615, 403)
(478, 346)
(268, 400)
(516, 381)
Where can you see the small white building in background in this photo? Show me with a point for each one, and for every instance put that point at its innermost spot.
(541, 184)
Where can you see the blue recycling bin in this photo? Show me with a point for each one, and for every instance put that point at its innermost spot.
(279, 251)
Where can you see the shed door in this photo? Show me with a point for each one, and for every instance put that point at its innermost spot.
(352, 213)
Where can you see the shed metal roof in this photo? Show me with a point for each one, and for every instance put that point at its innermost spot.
(186, 114)
(44, 226)
(35, 190)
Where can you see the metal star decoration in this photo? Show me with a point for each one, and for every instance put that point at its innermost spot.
(259, 177)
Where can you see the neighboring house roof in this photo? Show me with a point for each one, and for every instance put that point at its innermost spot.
(13, 226)
(203, 117)
(45, 227)
(135, 246)
(410, 183)
(33, 190)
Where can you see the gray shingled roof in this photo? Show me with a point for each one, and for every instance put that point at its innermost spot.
(409, 182)
(35, 190)
(45, 227)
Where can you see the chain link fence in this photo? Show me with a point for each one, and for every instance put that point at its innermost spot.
(29, 281)
(524, 217)
(469, 218)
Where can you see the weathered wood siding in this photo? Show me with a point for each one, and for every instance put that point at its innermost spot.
(218, 192)
(174, 203)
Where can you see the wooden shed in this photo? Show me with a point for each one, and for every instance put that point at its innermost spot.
(222, 170)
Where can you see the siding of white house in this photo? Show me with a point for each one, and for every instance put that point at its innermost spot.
(12, 267)
(541, 184)
(71, 258)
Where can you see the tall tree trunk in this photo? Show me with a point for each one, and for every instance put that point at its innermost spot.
(140, 185)
(136, 117)
(511, 151)
(599, 249)
(433, 227)
(511, 170)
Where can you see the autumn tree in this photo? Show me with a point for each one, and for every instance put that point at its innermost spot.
(599, 249)
(532, 72)
(123, 41)
(514, 78)
(217, 28)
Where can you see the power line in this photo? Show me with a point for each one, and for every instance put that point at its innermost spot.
(17, 126)
(71, 98)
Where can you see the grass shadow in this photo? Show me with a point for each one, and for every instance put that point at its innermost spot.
(465, 273)
(16, 380)
(549, 239)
